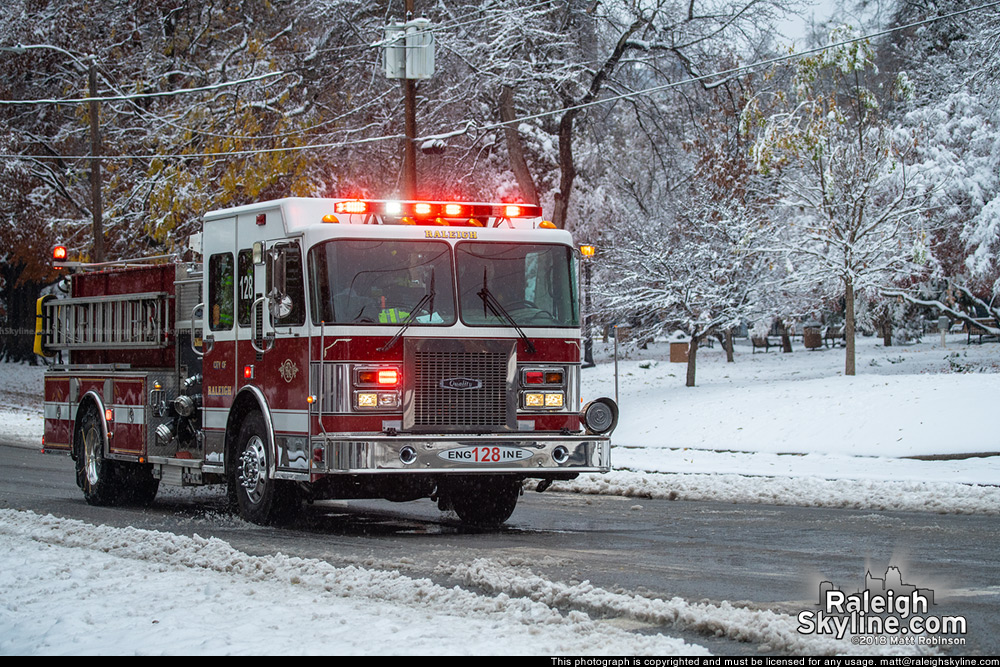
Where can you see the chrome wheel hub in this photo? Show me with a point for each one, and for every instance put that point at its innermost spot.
(252, 469)
(92, 455)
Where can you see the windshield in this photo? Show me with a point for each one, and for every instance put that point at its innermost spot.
(381, 282)
(534, 284)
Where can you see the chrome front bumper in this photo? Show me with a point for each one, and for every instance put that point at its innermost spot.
(531, 455)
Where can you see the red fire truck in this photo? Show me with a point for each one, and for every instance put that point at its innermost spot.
(329, 348)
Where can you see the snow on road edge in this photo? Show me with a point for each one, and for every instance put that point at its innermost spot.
(914, 496)
(169, 563)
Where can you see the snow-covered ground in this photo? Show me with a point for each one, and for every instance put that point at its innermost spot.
(769, 428)
(912, 430)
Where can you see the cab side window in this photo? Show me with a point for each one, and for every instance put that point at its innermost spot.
(220, 292)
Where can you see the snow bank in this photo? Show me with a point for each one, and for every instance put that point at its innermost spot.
(915, 496)
(68, 587)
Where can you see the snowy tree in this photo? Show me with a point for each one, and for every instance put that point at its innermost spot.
(958, 153)
(694, 262)
(849, 211)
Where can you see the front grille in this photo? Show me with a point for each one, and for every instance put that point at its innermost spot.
(464, 390)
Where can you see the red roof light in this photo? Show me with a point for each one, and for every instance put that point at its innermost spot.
(355, 206)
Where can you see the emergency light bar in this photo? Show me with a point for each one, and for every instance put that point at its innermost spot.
(437, 209)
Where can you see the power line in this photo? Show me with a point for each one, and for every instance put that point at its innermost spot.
(140, 96)
(614, 98)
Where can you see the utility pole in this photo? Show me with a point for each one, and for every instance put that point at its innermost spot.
(410, 127)
(409, 55)
(95, 167)
(97, 207)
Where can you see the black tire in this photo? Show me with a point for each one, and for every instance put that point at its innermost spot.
(259, 499)
(97, 476)
(484, 501)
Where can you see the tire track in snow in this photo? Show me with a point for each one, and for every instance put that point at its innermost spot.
(773, 631)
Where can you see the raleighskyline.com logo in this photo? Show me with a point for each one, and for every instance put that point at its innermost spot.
(885, 611)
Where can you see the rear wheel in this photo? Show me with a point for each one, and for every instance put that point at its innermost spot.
(95, 475)
(259, 498)
(483, 501)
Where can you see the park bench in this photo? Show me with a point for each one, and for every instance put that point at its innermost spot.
(833, 337)
(979, 329)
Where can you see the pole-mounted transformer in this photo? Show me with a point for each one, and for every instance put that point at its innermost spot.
(409, 50)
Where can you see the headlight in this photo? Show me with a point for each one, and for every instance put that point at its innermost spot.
(551, 400)
(374, 400)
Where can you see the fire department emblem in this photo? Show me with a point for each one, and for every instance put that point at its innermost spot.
(288, 370)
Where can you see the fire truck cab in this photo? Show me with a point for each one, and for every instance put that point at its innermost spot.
(331, 348)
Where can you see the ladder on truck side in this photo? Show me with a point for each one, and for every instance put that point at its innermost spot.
(102, 322)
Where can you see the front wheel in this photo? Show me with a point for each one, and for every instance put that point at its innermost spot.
(259, 498)
(484, 501)
(95, 475)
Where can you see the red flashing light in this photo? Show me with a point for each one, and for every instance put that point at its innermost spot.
(248, 372)
(355, 206)
(422, 209)
(385, 377)
(534, 377)
(512, 211)
(388, 376)
(453, 210)
(109, 415)
(59, 253)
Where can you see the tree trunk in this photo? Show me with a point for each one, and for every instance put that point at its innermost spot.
(567, 169)
(849, 359)
(515, 149)
(692, 359)
(728, 346)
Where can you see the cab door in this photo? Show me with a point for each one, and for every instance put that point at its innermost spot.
(272, 341)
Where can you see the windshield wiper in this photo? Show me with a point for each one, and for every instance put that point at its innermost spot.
(427, 298)
(493, 304)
